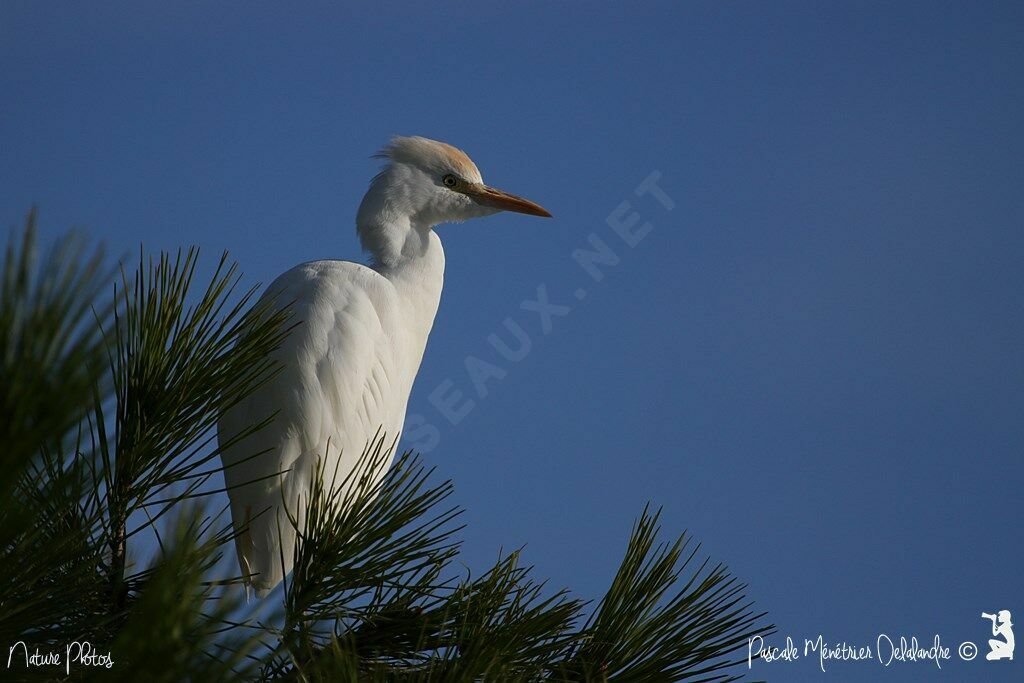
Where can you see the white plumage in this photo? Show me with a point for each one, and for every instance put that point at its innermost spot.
(349, 365)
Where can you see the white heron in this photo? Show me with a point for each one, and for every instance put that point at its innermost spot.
(349, 364)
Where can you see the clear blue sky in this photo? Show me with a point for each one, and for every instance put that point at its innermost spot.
(813, 361)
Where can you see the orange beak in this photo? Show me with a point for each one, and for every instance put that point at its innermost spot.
(488, 196)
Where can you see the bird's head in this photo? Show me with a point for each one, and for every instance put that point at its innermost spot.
(432, 182)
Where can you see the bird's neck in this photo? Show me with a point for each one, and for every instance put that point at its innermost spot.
(404, 248)
(388, 223)
(394, 240)
(410, 256)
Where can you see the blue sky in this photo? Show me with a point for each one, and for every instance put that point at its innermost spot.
(813, 360)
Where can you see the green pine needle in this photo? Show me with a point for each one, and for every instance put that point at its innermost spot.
(107, 411)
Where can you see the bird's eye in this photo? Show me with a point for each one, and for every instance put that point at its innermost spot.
(450, 180)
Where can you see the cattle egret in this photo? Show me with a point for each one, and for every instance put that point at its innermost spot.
(349, 364)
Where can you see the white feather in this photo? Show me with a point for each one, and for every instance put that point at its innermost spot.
(349, 365)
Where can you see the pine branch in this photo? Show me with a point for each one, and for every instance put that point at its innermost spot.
(176, 368)
(51, 350)
(108, 414)
(169, 634)
(636, 634)
(368, 566)
(51, 364)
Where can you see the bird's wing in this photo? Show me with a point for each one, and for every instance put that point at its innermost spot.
(336, 387)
